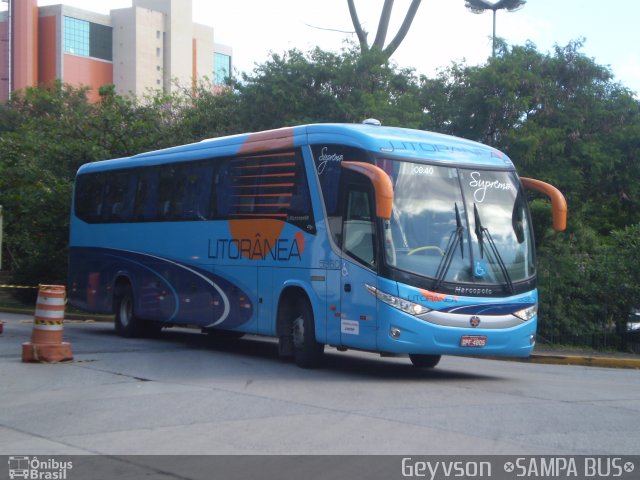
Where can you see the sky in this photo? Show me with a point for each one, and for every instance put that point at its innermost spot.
(443, 31)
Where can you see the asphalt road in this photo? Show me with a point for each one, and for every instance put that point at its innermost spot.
(183, 394)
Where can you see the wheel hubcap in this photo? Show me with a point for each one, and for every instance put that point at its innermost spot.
(125, 312)
(298, 332)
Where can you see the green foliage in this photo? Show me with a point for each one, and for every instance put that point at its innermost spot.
(46, 134)
(571, 268)
(626, 265)
(559, 116)
(297, 88)
(588, 284)
(208, 112)
(37, 152)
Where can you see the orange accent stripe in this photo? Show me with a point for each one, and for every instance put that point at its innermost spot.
(262, 185)
(267, 195)
(285, 174)
(269, 141)
(271, 155)
(262, 205)
(268, 165)
(259, 215)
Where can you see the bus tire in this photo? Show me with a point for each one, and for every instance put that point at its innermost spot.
(126, 323)
(424, 361)
(307, 352)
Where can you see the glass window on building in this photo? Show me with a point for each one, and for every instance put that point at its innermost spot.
(87, 39)
(76, 36)
(221, 68)
(101, 41)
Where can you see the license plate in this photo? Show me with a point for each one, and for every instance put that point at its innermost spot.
(473, 341)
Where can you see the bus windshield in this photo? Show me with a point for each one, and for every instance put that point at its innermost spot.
(459, 225)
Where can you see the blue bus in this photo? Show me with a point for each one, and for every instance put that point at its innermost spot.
(356, 236)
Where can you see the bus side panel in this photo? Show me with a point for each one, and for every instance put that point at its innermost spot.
(164, 290)
(266, 310)
(90, 282)
(333, 327)
(242, 281)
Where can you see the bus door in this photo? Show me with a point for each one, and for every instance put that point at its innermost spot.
(358, 319)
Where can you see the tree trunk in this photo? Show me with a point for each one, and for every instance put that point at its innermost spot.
(362, 35)
(383, 27)
(404, 29)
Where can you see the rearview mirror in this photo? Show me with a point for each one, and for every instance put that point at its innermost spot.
(558, 202)
(381, 185)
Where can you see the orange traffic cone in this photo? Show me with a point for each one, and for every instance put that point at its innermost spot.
(46, 338)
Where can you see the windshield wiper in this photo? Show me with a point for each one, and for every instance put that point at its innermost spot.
(479, 230)
(454, 239)
(482, 232)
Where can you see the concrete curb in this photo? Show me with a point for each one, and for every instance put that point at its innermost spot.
(580, 360)
(583, 360)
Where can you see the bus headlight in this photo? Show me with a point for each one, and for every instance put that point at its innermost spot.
(527, 313)
(400, 303)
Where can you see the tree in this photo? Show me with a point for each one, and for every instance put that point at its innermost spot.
(48, 135)
(297, 88)
(560, 117)
(480, 6)
(383, 28)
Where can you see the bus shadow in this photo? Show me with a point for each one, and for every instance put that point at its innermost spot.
(396, 369)
(347, 364)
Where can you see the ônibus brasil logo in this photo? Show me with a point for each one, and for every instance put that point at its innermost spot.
(38, 469)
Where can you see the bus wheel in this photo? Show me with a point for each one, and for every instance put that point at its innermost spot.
(307, 352)
(424, 361)
(127, 325)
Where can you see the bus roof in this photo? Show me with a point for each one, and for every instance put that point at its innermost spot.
(412, 144)
(405, 143)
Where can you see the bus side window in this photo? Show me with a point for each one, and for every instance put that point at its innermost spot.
(115, 206)
(88, 201)
(223, 190)
(170, 193)
(197, 191)
(263, 186)
(145, 207)
(359, 227)
(213, 195)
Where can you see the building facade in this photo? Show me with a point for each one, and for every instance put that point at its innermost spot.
(153, 45)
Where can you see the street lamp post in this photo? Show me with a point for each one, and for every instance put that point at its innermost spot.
(480, 6)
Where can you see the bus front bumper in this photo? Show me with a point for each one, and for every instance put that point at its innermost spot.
(403, 333)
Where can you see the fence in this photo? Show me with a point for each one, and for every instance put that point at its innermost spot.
(586, 300)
